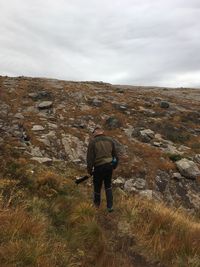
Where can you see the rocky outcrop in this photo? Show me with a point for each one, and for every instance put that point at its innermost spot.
(134, 185)
(188, 168)
(74, 148)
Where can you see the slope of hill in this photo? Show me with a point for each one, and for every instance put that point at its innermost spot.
(46, 220)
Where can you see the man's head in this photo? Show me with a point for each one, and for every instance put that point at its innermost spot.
(97, 131)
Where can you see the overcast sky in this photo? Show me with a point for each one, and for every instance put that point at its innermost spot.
(138, 42)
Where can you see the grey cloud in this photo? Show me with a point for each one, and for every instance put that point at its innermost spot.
(123, 41)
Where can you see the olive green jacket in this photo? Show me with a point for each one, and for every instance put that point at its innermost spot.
(101, 150)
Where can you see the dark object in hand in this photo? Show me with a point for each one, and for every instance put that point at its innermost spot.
(114, 163)
(81, 179)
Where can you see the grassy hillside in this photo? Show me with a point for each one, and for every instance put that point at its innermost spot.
(46, 220)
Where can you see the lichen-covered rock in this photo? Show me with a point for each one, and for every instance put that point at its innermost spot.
(197, 158)
(74, 148)
(188, 168)
(45, 105)
(19, 116)
(150, 194)
(133, 185)
(177, 176)
(119, 182)
(147, 135)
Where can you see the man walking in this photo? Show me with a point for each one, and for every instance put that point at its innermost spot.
(101, 160)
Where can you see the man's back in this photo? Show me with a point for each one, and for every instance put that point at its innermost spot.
(101, 150)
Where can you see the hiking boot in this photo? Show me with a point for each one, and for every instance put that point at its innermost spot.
(110, 209)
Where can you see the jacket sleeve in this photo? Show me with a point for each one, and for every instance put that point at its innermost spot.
(90, 157)
(115, 154)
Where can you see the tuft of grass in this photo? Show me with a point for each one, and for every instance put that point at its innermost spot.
(48, 179)
(82, 213)
(163, 234)
(22, 238)
(61, 209)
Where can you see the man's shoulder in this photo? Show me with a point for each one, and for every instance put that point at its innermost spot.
(103, 138)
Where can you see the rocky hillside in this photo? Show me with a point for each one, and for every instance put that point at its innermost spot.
(46, 220)
(157, 131)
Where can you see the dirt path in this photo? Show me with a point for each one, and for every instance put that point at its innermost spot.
(123, 245)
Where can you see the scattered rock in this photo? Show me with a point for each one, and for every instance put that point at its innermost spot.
(128, 186)
(52, 125)
(74, 148)
(146, 135)
(161, 182)
(120, 106)
(157, 144)
(19, 116)
(40, 95)
(70, 121)
(119, 182)
(164, 104)
(150, 194)
(37, 128)
(133, 185)
(113, 123)
(42, 160)
(188, 168)
(96, 102)
(194, 199)
(35, 152)
(45, 105)
(172, 150)
(177, 176)
(140, 184)
(197, 158)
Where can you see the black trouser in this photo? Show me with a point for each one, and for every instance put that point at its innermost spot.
(103, 173)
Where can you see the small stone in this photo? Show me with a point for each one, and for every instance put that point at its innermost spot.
(164, 104)
(128, 186)
(139, 184)
(45, 105)
(177, 176)
(147, 132)
(119, 182)
(150, 194)
(157, 144)
(197, 158)
(37, 128)
(52, 125)
(19, 116)
(96, 102)
(113, 123)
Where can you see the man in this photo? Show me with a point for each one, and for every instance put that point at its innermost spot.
(101, 160)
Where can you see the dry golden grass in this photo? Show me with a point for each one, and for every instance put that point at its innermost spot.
(163, 234)
(82, 212)
(22, 238)
(48, 178)
(66, 229)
